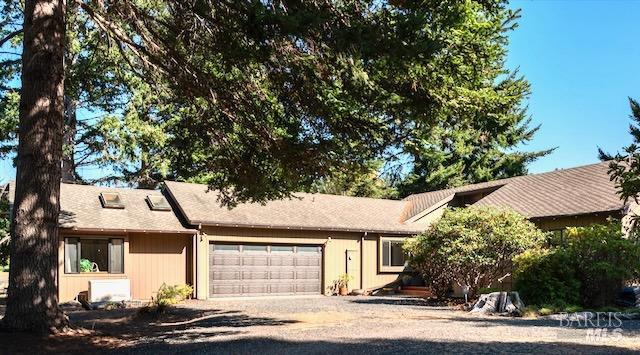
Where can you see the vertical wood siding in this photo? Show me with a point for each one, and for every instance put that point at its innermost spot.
(157, 259)
(149, 261)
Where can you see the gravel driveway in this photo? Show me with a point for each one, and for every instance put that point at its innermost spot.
(375, 325)
(338, 325)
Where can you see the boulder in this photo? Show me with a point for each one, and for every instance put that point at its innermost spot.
(508, 303)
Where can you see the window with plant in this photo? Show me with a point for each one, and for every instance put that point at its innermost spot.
(83, 255)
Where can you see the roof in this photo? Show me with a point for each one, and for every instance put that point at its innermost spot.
(81, 209)
(568, 192)
(303, 211)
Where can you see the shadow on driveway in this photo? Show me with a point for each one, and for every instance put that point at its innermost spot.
(378, 346)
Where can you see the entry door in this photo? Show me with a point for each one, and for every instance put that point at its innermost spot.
(261, 269)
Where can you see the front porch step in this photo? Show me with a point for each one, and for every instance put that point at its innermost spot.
(415, 291)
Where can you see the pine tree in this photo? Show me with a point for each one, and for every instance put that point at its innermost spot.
(482, 120)
(624, 167)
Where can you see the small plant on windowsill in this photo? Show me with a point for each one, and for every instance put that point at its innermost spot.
(86, 265)
(343, 284)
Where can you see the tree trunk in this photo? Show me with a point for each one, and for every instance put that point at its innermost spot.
(69, 141)
(32, 301)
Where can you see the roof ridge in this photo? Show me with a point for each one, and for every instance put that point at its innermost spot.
(510, 179)
(307, 193)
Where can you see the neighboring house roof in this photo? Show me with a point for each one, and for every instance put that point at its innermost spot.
(81, 209)
(303, 211)
(574, 191)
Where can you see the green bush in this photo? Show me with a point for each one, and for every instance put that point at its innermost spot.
(170, 295)
(546, 277)
(471, 246)
(589, 270)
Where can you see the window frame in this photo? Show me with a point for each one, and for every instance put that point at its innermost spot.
(155, 207)
(106, 203)
(79, 254)
(389, 268)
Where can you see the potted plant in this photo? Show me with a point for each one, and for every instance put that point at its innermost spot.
(343, 284)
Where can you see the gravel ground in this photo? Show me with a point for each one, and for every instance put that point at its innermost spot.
(377, 325)
(314, 325)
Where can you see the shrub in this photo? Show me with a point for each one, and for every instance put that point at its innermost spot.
(170, 295)
(604, 260)
(546, 277)
(589, 270)
(471, 246)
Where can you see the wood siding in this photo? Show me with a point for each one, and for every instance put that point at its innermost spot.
(149, 260)
(157, 259)
(335, 248)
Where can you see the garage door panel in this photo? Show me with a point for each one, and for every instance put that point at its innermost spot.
(282, 288)
(226, 260)
(308, 274)
(225, 275)
(282, 274)
(307, 288)
(282, 260)
(255, 260)
(260, 269)
(255, 289)
(255, 275)
(308, 261)
(226, 289)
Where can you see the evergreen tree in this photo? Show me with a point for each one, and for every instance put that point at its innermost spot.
(624, 167)
(255, 98)
(482, 121)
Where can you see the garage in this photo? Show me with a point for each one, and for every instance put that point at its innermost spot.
(260, 269)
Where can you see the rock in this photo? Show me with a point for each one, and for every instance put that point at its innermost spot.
(499, 303)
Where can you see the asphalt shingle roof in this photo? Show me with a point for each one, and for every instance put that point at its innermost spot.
(304, 211)
(574, 191)
(80, 208)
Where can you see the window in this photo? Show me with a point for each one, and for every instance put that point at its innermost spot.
(308, 249)
(281, 249)
(158, 203)
(391, 255)
(254, 248)
(226, 247)
(111, 200)
(556, 237)
(93, 255)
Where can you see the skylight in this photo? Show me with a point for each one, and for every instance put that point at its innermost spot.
(158, 203)
(111, 200)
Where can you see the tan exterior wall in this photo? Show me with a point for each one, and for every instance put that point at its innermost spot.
(335, 247)
(149, 261)
(157, 259)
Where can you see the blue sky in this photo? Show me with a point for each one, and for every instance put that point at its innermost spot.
(583, 61)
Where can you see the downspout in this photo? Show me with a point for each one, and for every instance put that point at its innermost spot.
(194, 263)
(362, 260)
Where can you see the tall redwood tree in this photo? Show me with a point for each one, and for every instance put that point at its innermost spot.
(32, 302)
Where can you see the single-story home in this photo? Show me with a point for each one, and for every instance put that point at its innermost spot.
(181, 235)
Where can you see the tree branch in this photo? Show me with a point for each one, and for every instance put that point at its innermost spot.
(10, 36)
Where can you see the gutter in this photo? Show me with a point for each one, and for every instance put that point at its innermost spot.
(312, 228)
(124, 230)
